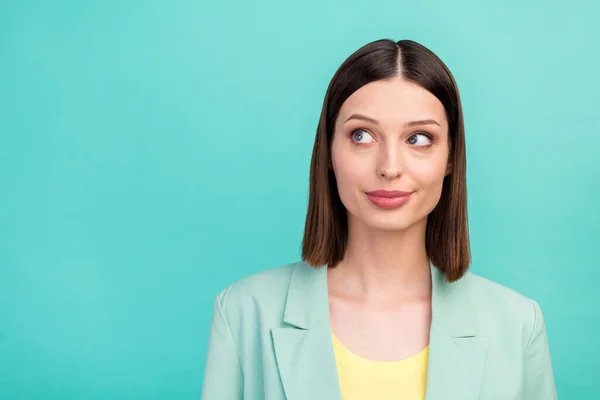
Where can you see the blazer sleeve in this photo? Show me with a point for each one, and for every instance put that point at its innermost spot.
(539, 378)
(223, 376)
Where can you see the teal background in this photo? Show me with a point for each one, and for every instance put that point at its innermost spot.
(152, 152)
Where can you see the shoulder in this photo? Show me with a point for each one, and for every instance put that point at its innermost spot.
(484, 289)
(262, 292)
(260, 284)
(499, 307)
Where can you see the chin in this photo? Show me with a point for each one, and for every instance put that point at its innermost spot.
(388, 222)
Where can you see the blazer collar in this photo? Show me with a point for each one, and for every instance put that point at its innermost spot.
(307, 300)
(308, 297)
(305, 355)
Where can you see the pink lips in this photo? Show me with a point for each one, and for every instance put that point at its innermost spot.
(388, 199)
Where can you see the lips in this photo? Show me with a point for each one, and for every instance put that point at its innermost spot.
(388, 194)
(387, 199)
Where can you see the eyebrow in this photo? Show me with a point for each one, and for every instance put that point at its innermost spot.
(407, 124)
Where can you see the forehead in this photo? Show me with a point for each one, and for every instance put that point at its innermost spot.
(393, 101)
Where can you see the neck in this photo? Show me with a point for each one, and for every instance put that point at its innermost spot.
(383, 265)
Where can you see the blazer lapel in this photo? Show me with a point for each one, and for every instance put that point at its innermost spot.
(456, 353)
(303, 348)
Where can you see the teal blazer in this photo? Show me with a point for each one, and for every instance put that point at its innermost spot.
(271, 339)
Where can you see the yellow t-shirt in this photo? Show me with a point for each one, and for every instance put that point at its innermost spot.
(364, 379)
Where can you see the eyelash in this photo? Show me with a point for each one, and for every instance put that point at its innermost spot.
(430, 137)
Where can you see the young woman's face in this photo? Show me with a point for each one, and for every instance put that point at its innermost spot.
(390, 135)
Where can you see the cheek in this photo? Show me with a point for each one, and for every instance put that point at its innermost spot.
(429, 179)
(350, 178)
(428, 173)
(349, 175)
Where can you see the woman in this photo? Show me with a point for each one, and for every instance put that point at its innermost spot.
(381, 306)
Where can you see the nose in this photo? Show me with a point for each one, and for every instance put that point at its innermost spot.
(390, 163)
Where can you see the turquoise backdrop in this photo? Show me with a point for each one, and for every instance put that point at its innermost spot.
(152, 152)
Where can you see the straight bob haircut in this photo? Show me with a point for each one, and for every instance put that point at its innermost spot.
(326, 227)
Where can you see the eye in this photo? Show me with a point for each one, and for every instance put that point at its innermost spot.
(424, 142)
(359, 134)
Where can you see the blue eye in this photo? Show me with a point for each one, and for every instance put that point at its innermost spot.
(359, 134)
(421, 143)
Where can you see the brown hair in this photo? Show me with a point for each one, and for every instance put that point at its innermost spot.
(447, 235)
